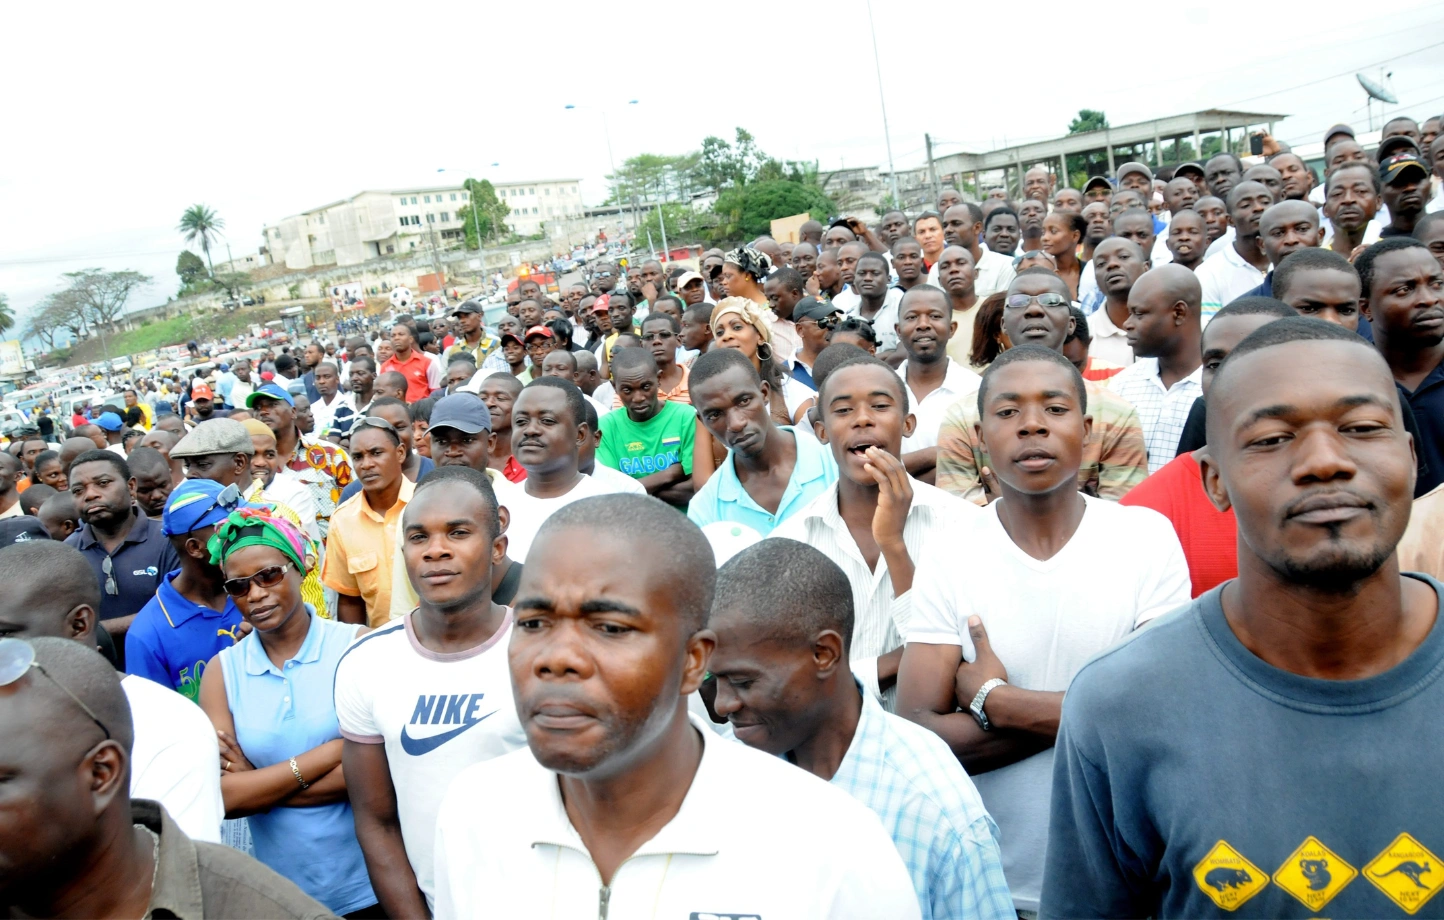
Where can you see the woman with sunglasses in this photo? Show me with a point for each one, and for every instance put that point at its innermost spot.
(270, 699)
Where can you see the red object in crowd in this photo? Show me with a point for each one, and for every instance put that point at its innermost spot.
(1209, 536)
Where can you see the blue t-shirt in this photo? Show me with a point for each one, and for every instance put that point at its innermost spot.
(282, 712)
(426, 466)
(723, 498)
(1193, 779)
(1427, 401)
(171, 639)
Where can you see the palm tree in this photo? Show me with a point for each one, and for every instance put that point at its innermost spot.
(200, 224)
(7, 316)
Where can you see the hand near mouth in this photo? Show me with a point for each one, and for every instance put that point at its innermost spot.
(894, 496)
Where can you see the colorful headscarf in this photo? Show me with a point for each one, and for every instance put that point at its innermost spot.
(260, 527)
(750, 312)
(752, 261)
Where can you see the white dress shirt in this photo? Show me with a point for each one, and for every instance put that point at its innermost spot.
(1162, 411)
(884, 323)
(755, 837)
(1225, 278)
(1110, 343)
(879, 618)
(992, 273)
(958, 381)
(173, 757)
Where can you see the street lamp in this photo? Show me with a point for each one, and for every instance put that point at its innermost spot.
(607, 134)
(475, 218)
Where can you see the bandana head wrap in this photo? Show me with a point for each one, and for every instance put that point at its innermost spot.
(260, 527)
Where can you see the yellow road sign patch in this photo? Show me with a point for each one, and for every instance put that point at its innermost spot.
(1314, 874)
(1406, 872)
(1227, 877)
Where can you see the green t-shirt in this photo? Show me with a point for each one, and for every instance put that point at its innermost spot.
(640, 449)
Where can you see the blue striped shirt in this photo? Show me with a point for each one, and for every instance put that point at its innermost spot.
(912, 781)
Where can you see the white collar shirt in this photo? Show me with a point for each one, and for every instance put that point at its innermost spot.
(992, 273)
(958, 381)
(754, 837)
(1224, 278)
(1162, 411)
(1110, 343)
(880, 618)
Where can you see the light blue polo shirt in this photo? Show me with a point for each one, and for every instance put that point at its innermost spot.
(724, 499)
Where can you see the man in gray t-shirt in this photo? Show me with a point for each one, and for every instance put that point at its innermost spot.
(1274, 749)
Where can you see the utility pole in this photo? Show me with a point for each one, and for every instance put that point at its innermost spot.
(662, 219)
(932, 169)
(877, 63)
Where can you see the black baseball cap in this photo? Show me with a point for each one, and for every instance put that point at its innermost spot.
(1399, 165)
(468, 306)
(813, 309)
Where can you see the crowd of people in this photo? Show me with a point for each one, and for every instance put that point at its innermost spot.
(1072, 556)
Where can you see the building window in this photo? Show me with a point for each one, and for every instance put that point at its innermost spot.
(390, 249)
(548, 191)
(453, 196)
(463, 196)
(404, 221)
(531, 191)
(445, 216)
(413, 199)
(431, 218)
(403, 202)
(533, 210)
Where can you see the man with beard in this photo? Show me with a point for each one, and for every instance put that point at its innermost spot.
(1222, 172)
(1187, 239)
(1030, 221)
(770, 471)
(1320, 641)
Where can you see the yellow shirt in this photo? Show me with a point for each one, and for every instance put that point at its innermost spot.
(359, 551)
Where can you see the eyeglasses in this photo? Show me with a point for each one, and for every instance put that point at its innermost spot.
(268, 577)
(18, 656)
(108, 569)
(1047, 300)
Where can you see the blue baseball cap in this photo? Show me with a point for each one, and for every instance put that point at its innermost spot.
(109, 421)
(274, 391)
(198, 503)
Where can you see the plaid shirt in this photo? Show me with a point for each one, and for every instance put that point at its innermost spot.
(1114, 457)
(936, 819)
(1163, 412)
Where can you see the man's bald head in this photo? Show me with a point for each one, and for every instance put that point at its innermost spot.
(160, 440)
(47, 582)
(1288, 212)
(74, 447)
(1173, 282)
(56, 720)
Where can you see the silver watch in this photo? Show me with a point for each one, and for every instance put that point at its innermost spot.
(976, 706)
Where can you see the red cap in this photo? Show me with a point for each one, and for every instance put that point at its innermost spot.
(604, 302)
(201, 391)
(539, 330)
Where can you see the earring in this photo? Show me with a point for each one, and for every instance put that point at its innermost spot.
(764, 351)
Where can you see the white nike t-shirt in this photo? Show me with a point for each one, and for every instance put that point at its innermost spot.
(436, 713)
(529, 513)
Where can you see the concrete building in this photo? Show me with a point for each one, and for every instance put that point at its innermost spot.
(375, 224)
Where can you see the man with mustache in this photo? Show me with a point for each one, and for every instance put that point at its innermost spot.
(1351, 199)
(1407, 189)
(1320, 647)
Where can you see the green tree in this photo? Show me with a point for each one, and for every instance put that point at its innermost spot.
(199, 224)
(191, 269)
(748, 211)
(7, 316)
(683, 224)
(483, 212)
(1088, 120)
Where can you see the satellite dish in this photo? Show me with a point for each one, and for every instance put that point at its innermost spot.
(1376, 91)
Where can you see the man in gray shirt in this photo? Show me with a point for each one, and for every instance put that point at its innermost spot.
(1274, 748)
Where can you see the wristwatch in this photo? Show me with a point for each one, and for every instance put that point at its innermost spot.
(976, 706)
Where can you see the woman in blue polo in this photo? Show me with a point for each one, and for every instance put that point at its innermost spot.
(269, 697)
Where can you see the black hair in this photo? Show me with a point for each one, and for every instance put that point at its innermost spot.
(927, 215)
(791, 588)
(593, 420)
(700, 312)
(975, 211)
(1042, 270)
(829, 359)
(32, 498)
(1425, 221)
(46, 456)
(477, 479)
(1367, 166)
(1134, 212)
(1305, 259)
(1238, 164)
(575, 402)
(653, 528)
(1081, 332)
(141, 458)
(720, 360)
(421, 410)
(382, 402)
(364, 359)
(899, 241)
(131, 434)
(866, 360)
(461, 357)
(855, 325)
(661, 297)
(995, 212)
(116, 461)
(284, 364)
(873, 256)
(631, 358)
(133, 416)
(1076, 222)
(509, 379)
(1019, 353)
(671, 321)
(790, 278)
(391, 378)
(1364, 264)
(422, 340)
(1293, 328)
(1256, 306)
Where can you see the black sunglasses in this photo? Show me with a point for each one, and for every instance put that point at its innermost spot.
(268, 577)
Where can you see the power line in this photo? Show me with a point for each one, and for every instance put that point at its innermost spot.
(59, 260)
(1388, 60)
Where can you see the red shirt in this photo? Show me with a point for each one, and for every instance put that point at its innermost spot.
(513, 471)
(1209, 536)
(416, 370)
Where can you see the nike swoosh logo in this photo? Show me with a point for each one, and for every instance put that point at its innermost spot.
(418, 746)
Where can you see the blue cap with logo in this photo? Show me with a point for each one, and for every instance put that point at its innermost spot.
(198, 503)
(271, 390)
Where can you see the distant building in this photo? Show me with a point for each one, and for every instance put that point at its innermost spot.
(374, 224)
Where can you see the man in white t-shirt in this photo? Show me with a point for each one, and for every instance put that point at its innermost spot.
(52, 591)
(997, 633)
(446, 700)
(548, 431)
(623, 805)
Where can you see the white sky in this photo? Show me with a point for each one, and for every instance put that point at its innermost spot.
(119, 117)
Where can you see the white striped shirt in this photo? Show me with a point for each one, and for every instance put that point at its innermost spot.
(879, 618)
(1161, 412)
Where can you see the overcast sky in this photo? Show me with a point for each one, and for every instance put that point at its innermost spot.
(121, 116)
